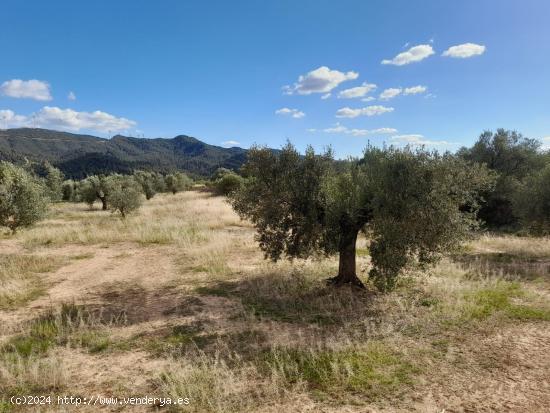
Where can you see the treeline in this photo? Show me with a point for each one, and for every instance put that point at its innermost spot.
(520, 197)
(26, 191)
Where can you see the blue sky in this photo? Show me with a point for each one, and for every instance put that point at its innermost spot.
(216, 70)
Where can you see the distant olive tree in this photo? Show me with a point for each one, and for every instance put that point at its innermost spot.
(23, 198)
(54, 183)
(125, 195)
(413, 205)
(227, 183)
(69, 190)
(177, 182)
(147, 182)
(96, 187)
(532, 201)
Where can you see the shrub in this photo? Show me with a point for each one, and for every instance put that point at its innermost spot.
(228, 183)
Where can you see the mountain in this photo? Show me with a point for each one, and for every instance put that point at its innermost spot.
(81, 155)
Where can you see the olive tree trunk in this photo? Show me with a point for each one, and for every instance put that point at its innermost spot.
(103, 203)
(347, 273)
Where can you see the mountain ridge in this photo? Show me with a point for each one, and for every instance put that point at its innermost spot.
(80, 155)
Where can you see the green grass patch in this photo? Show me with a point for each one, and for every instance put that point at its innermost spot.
(374, 370)
(503, 298)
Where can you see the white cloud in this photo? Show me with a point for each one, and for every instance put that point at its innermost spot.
(414, 54)
(357, 92)
(341, 129)
(295, 113)
(417, 140)
(368, 99)
(71, 96)
(326, 96)
(8, 119)
(26, 89)
(320, 80)
(545, 141)
(390, 93)
(465, 50)
(68, 119)
(368, 111)
(230, 143)
(414, 90)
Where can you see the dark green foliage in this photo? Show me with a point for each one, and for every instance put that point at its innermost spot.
(414, 205)
(228, 183)
(513, 157)
(79, 156)
(23, 198)
(177, 182)
(532, 201)
(124, 194)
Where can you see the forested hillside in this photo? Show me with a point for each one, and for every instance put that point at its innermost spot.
(81, 155)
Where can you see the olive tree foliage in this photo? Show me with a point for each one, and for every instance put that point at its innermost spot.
(177, 182)
(23, 198)
(532, 202)
(513, 157)
(96, 187)
(69, 190)
(125, 194)
(147, 182)
(414, 205)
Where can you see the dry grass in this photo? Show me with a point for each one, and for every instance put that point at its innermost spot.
(205, 317)
(20, 277)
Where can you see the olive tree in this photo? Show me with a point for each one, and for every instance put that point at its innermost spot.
(414, 205)
(177, 182)
(227, 183)
(125, 195)
(96, 187)
(147, 182)
(23, 199)
(54, 182)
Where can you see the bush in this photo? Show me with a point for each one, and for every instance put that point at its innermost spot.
(23, 200)
(532, 202)
(228, 183)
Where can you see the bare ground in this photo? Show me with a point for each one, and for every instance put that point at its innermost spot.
(150, 289)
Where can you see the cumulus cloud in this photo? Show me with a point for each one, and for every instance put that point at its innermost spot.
(295, 113)
(367, 111)
(414, 54)
(416, 140)
(326, 96)
(463, 51)
(368, 99)
(357, 92)
(71, 96)
(414, 90)
(8, 119)
(320, 80)
(26, 89)
(67, 119)
(230, 143)
(390, 93)
(341, 129)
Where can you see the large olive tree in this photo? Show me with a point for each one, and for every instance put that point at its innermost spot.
(413, 205)
(23, 198)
